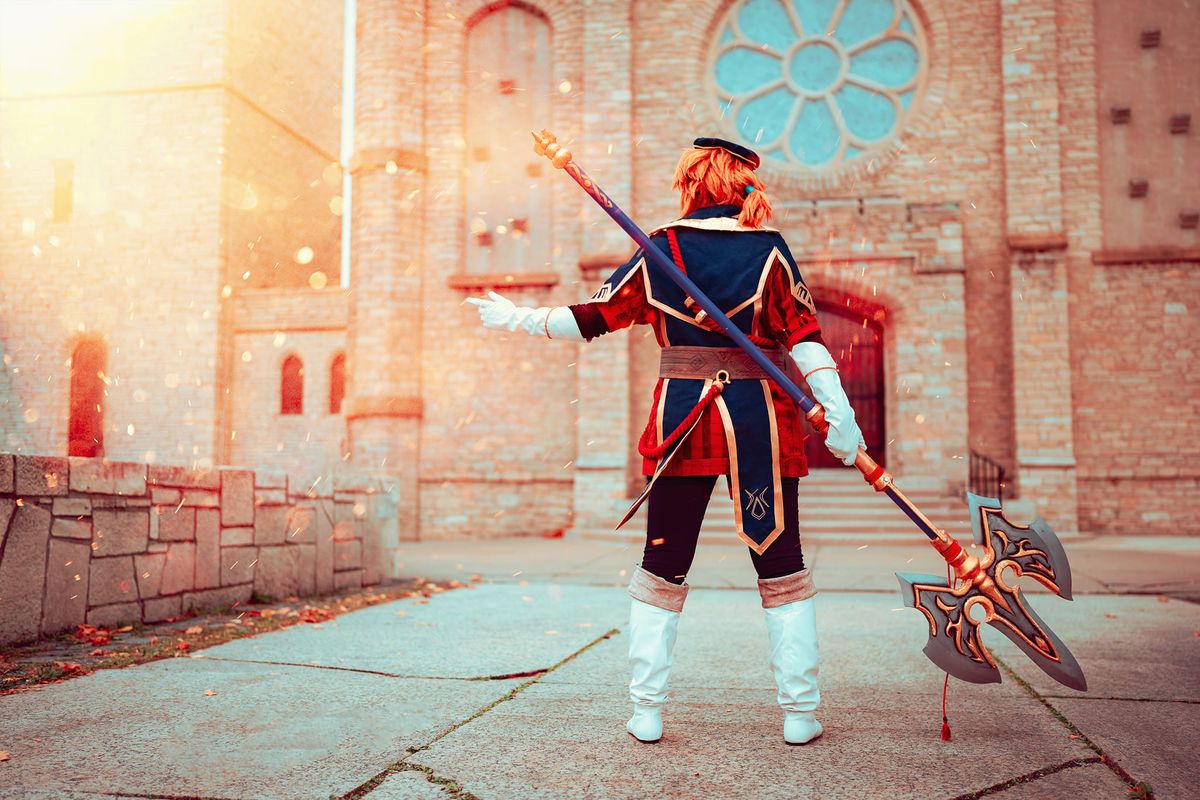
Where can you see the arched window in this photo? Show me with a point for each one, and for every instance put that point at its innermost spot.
(508, 80)
(337, 383)
(291, 386)
(85, 428)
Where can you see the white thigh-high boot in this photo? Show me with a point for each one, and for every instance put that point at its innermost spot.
(653, 621)
(792, 626)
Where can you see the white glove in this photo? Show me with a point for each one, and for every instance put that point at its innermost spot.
(499, 314)
(843, 437)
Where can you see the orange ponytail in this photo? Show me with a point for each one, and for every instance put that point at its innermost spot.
(712, 176)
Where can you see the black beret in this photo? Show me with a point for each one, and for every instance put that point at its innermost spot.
(735, 150)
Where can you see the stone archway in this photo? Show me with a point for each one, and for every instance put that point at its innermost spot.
(856, 340)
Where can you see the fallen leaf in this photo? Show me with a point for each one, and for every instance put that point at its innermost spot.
(209, 693)
(1110, 615)
(195, 630)
(3, 755)
(98, 652)
(182, 645)
(1162, 599)
(126, 629)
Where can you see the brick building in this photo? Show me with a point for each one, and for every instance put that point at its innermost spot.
(994, 204)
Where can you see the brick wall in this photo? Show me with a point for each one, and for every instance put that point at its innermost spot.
(137, 264)
(113, 543)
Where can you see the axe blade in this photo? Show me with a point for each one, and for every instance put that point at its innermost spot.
(1008, 550)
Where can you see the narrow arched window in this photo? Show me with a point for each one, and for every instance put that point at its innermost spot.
(291, 386)
(337, 383)
(508, 78)
(85, 428)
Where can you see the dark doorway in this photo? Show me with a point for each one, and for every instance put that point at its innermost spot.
(85, 427)
(856, 343)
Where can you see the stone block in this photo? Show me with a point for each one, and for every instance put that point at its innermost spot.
(270, 497)
(351, 579)
(347, 555)
(66, 601)
(312, 485)
(107, 477)
(167, 475)
(179, 570)
(149, 570)
(270, 525)
(233, 537)
(120, 531)
(111, 580)
(372, 557)
(176, 524)
(237, 497)
(306, 569)
(270, 479)
(324, 552)
(220, 599)
(237, 565)
(201, 498)
(277, 572)
(72, 506)
(115, 616)
(208, 548)
(71, 528)
(301, 524)
(41, 475)
(23, 570)
(165, 496)
(6, 473)
(162, 608)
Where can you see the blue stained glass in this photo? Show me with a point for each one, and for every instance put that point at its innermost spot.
(863, 19)
(814, 86)
(892, 62)
(767, 22)
(743, 70)
(815, 15)
(816, 66)
(815, 139)
(867, 115)
(763, 118)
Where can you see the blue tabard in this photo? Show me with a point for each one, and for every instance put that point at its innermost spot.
(730, 264)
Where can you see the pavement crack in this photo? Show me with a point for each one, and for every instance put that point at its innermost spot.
(1029, 776)
(381, 673)
(1137, 788)
(363, 789)
(1123, 699)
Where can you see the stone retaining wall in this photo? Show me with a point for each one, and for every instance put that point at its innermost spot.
(111, 543)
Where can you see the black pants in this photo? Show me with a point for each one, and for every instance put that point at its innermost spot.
(676, 510)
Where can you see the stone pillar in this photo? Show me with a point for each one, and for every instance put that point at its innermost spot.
(384, 403)
(1043, 408)
(605, 150)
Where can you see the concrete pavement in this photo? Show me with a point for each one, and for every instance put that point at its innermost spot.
(516, 689)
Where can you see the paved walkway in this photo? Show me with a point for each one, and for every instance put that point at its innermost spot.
(515, 689)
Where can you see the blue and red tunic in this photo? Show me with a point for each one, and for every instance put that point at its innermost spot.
(752, 276)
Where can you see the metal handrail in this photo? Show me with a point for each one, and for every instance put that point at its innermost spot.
(986, 476)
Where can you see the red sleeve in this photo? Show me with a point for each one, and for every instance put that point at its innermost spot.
(627, 306)
(784, 317)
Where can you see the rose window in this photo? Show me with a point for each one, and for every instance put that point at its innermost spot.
(814, 84)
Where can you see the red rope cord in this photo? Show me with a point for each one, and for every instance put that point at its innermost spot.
(646, 446)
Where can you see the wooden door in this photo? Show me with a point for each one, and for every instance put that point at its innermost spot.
(857, 347)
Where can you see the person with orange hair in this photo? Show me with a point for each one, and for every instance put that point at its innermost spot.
(716, 413)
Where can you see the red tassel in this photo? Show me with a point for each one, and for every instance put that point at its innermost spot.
(945, 730)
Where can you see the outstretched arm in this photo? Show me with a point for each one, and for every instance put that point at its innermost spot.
(498, 313)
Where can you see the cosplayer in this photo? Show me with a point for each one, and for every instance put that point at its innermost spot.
(715, 414)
